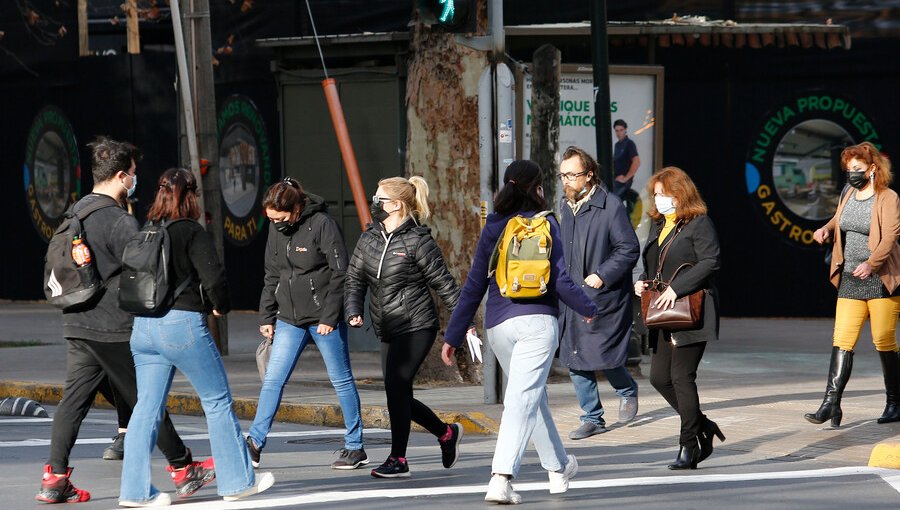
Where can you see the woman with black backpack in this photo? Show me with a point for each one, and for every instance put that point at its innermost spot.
(178, 337)
(523, 334)
(398, 261)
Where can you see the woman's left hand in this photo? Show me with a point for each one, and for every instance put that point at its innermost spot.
(863, 271)
(666, 300)
(324, 329)
(447, 352)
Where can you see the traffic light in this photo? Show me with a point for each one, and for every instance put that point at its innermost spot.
(453, 15)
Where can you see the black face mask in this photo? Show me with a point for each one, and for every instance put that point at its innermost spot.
(857, 179)
(378, 212)
(285, 227)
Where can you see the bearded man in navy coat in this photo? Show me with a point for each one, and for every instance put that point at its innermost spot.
(601, 249)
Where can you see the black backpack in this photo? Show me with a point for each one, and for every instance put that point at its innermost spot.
(145, 286)
(66, 285)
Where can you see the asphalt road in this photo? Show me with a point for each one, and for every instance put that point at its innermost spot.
(631, 476)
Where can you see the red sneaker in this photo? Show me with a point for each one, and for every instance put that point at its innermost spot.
(58, 489)
(192, 477)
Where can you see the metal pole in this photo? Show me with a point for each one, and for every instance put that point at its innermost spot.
(184, 89)
(600, 57)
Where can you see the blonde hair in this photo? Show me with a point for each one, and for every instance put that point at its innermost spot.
(412, 194)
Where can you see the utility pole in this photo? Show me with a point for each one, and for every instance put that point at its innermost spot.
(201, 89)
(600, 58)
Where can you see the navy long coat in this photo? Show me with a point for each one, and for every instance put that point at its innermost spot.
(600, 240)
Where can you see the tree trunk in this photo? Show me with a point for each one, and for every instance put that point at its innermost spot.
(442, 147)
(545, 117)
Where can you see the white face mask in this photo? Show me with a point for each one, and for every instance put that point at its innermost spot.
(664, 205)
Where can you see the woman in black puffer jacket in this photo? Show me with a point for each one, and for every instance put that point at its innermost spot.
(399, 261)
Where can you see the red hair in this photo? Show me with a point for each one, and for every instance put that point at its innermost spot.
(870, 155)
(176, 197)
(678, 184)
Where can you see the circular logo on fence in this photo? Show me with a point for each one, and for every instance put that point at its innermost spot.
(52, 170)
(793, 168)
(245, 168)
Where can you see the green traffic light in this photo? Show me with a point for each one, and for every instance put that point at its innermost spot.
(449, 11)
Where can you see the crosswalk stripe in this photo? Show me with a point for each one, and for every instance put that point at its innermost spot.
(889, 476)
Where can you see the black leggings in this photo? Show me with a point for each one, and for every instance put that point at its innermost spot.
(673, 372)
(401, 357)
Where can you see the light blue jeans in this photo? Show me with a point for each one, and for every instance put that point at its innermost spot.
(287, 346)
(525, 346)
(180, 339)
(585, 382)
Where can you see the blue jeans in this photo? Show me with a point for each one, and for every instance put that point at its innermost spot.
(524, 346)
(287, 346)
(180, 339)
(585, 382)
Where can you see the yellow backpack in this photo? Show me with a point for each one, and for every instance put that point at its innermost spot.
(521, 258)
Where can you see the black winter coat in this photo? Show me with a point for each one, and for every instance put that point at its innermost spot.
(698, 244)
(304, 281)
(399, 268)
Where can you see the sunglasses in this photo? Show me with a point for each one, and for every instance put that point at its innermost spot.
(377, 200)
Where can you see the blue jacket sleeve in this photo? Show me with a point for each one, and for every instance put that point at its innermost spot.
(473, 290)
(568, 292)
(625, 249)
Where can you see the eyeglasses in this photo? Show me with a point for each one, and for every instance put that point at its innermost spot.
(570, 176)
(377, 200)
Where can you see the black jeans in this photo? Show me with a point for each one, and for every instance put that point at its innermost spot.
(122, 411)
(88, 363)
(673, 372)
(400, 360)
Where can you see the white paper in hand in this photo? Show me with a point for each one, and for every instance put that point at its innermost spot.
(474, 347)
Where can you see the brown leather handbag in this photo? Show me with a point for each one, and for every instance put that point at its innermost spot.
(687, 313)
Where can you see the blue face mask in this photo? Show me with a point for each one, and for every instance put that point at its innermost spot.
(133, 186)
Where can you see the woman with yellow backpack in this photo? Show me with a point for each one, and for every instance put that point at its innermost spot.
(521, 323)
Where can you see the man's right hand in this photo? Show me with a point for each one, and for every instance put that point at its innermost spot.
(639, 287)
(356, 321)
(267, 331)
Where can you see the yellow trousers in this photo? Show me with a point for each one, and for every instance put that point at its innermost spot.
(851, 314)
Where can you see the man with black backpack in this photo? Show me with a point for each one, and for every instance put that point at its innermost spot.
(98, 332)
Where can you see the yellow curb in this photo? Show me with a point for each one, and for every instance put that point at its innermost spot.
(885, 455)
(327, 415)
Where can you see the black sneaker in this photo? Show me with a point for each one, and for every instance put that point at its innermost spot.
(392, 468)
(254, 452)
(115, 451)
(350, 459)
(450, 447)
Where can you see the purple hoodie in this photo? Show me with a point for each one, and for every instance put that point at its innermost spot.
(499, 308)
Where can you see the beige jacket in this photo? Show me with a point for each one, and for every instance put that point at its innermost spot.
(884, 231)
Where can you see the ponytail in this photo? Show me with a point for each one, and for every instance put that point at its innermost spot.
(422, 212)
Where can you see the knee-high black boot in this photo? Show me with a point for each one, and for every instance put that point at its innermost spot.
(890, 365)
(838, 374)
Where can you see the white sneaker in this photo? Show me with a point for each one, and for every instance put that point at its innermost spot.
(559, 482)
(263, 482)
(500, 491)
(161, 499)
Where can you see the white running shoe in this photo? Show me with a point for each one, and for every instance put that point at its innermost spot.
(500, 491)
(559, 482)
(263, 482)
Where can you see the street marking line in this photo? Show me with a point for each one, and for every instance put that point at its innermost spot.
(26, 420)
(105, 440)
(887, 475)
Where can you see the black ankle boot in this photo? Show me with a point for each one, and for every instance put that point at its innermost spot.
(890, 366)
(688, 456)
(838, 375)
(709, 431)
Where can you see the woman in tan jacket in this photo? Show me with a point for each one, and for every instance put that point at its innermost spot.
(865, 268)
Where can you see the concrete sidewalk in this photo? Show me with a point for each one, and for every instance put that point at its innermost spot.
(756, 383)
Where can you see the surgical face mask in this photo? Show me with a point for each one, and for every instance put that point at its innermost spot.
(133, 185)
(378, 212)
(857, 179)
(664, 205)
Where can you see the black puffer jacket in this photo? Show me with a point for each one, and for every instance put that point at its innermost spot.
(304, 282)
(399, 268)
